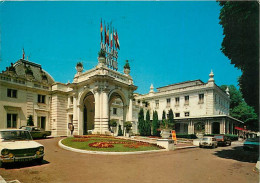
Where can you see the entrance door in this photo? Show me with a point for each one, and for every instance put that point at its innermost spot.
(88, 113)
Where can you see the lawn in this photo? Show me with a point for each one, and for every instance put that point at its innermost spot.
(107, 144)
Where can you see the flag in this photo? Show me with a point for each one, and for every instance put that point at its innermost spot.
(117, 41)
(23, 54)
(108, 35)
(111, 38)
(114, 36)
(105, 37)
(101, 30)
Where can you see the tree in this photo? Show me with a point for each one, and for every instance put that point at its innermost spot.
(155, 124)
(141, 122)
(120, 132)
(239, 108)
(171, 120)
(30, 121)
(240, 22)
(147, 124)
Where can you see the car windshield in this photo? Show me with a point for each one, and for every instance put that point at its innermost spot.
(218, 137)
(15, 135)
(206, 139)
(26, 128)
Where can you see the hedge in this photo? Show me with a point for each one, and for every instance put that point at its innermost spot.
(186, 136)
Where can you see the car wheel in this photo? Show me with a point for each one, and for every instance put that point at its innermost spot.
(39, 160)
(200, 146)
(44, 136)
(213, 146)
(229, 144)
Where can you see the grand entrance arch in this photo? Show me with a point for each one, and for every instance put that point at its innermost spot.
(93, 92)
(88, 112)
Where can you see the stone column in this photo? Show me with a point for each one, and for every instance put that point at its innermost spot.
(210, 127)
(130, 109)
(223, 126)
(75, 114)
(191, 128)
(97, 111)
(80, 118)
(105, 112)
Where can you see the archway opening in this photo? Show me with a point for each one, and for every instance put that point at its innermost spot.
(199, 127)
(88, 112)
(216, 128)
(117, 112)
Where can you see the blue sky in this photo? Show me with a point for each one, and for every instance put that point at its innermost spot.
(166, 42)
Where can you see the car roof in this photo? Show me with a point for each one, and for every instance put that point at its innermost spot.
(208, 137)
(1, 130)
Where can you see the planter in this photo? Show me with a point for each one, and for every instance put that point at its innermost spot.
(166, 133)
(102, 60)
(126, 71)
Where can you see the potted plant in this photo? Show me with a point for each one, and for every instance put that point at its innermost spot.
(79, 67)
(102, 56)
(127, 68)
(113, 125)
(165, 129)
(128, 126)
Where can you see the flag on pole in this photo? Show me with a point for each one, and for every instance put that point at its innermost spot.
(23, 54)
(101, 30)
(108, 35)
(117, 41)
(105, 37)
(111, 38)
(114, 40)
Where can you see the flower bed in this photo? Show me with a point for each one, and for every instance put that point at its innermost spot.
(107, 143)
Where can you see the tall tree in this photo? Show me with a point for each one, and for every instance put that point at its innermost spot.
(240, 22)
(155, 124)
(141, 122)
(147, 124)
(30, 121)
(171, 118)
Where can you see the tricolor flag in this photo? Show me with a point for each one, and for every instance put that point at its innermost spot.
(101, 30)
(111, 38)
(114, 36)
(117, 41)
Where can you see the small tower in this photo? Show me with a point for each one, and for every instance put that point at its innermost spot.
(211, 76)
(227, 91)
(151, 89)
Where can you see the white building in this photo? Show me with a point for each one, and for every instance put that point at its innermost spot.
(100, 94)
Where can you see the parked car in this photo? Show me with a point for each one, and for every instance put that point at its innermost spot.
(207, 141)
(36, 132)
(223, 140)
(17, 145)
(252, 144)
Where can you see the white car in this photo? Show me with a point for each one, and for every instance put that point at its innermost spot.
(17, 145)
(208, 141)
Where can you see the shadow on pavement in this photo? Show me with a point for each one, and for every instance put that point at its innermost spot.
(18, 165)
(237, 153)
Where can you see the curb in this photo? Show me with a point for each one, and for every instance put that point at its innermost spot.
(2, 180)
(107, 153)
(185, 147)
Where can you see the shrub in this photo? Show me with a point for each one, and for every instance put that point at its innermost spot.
(113, 122)
(147, 124)
(155, 124)
(120, 132)
(128, 126)
(186, 136)
(30, 121)
(141, 122)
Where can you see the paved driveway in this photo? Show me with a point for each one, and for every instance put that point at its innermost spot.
(224, 164)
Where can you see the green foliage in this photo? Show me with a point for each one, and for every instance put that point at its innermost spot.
(245, 113)
(120, 132)
(163, 115)
(30, 121)
(102, 53)
(79, 64)
(128, 126)
(235, 95)
(186, 136)
(147, 124)
(171, 118)
(141, 123)
(126, 66)
(155, 124)
(240, 22)
(113, 122)
(239, 108)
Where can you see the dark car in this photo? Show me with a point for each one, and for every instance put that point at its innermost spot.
(36, 132)
(251, 144)
(223, 140)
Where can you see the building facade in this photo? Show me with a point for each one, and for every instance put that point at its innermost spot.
(101, 94)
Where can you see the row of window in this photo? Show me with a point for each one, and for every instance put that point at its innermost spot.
(11, 93)
(177, 101)
(12, 121)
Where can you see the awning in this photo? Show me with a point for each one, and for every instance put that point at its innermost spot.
(239, 128)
